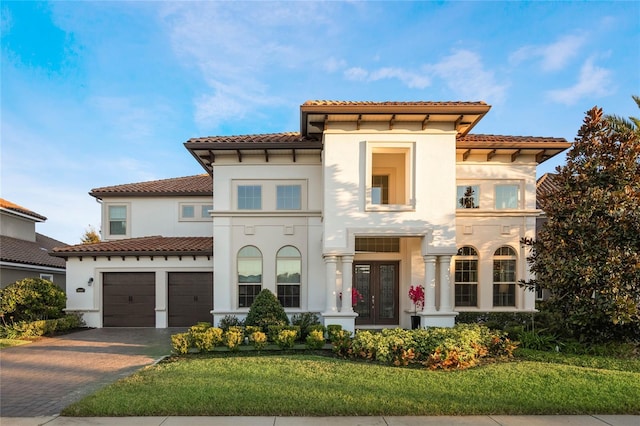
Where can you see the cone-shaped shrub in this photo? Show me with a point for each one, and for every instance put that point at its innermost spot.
(266, 310)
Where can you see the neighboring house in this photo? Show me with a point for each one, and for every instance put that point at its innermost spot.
(24, 253)
(371, 196)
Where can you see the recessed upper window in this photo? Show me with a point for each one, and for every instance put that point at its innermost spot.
(507, 196)
(288, 197)
(249, 197)
(195, 212)
(389, 176)
(468, 197)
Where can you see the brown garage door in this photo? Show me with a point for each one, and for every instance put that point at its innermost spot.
(129, 299)
(190, 298)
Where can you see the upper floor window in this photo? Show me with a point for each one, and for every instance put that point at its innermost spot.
(48, 277)
(249, 197)
(507, 196)
(504, 277)
(117, 220)
(466, 277)
(389, 176)
(288, 197)
(249, 275)
(195, 211)
(468, 197)
(288, 273)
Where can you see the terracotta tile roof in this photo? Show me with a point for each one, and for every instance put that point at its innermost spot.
(268, 138)
(8, 205)
(189, 185)
(147, 246)
(25, 252)
(547, 184)
(498, 141)
(390, 103)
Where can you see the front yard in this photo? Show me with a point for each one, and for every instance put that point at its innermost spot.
(312, 385)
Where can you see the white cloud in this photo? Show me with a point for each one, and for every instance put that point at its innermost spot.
(332, 64)
(408, 78)
(592, 81)
(554, 56)
(465, 75)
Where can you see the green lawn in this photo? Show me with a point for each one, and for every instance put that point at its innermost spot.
(310, 385)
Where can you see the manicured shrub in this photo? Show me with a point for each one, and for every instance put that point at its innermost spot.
(315, 339)
(333, 330)
(181, 343)
(206, 340)
(286, 339)
(30, 329)
(250, 329)
(274, 331)
(32, 299)
(342, 342)
(304, 321)
(230, 321)
(200, 327)
(233, 338)
(266, 310)
(258, 339)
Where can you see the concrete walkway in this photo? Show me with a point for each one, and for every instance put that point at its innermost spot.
(600, 420)
(43, 377)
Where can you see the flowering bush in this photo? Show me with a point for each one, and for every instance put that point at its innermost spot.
(356, 297)
(416, 294)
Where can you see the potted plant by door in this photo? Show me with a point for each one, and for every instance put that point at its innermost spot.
(416, 294)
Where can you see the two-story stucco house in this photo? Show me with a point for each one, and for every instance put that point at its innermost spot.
(368, 196)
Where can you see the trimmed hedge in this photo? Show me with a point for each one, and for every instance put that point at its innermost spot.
(32, 299)
(30, 329)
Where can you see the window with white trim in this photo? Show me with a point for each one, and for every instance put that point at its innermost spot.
(249, 197)
(288, 197)
(504, 277)
(117, 216)
(507, 196)
(47, 277)
(466, 277)
(249, 275)
(288, 276)
(195, 212)
(468, 197)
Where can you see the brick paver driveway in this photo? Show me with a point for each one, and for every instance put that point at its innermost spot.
(41, 378)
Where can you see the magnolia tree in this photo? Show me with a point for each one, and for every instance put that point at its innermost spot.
(588, 252)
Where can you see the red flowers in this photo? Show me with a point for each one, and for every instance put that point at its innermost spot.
(416, 294)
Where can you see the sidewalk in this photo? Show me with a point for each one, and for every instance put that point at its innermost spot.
(596, 420)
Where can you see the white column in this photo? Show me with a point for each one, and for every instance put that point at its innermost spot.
(347, 282)
(429, 284)
(445, 283)
(330, 263)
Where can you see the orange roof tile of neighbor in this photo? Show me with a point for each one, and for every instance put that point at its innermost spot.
(501, 141)
(143, 246)
(26, 252)
(391, 103)
(12, 207)
(547, 184)
(288, 138)
(199, 185)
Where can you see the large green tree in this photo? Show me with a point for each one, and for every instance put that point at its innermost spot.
(588, 252)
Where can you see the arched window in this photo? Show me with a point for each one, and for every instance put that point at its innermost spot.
(288, 272)
(504, 277)
(249, 275)
(466, 277)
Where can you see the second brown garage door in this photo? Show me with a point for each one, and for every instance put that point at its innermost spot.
(129, 299)
(190, 298)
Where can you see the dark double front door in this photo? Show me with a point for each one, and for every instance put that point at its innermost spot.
(377, 283)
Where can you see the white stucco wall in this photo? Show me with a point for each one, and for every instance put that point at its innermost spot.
(148, 216)
(86, 298)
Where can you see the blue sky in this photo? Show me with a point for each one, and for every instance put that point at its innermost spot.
(105, 93)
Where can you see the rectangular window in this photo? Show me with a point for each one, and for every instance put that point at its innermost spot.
(289, 295)
(47, 277)
(288, 197)
(507, 196)
(249, 197)
(247, 294)
(380, 189)
(117, 220)
(466, 282)
(378, 245)
(468, 197)
(204, 212)
(188, 212)
(504, 285)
